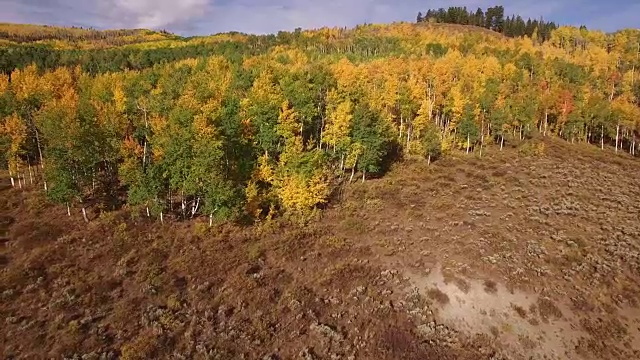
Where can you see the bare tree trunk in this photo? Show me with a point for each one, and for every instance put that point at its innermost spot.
(429, 160)
(148, 214)
(161, 218)
(602, 138)
(211, 220)
(68, 210)
(30, 172)
(468, 144)
(195, 208)
(364, 173)
(546, 122)
(501, 142)
(353, 170)
(617, 136)
(41, 157)
(520, 132)
(13, 182)
(401, 128)
(84, 214)
(183, 204)
(482, 136)
(341, 163)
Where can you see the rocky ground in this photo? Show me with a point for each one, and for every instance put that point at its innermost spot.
(506, 257)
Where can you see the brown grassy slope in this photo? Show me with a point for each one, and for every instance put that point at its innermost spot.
(564, 225)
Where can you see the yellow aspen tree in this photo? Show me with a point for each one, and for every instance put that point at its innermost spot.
(339, 118)
(16, 130)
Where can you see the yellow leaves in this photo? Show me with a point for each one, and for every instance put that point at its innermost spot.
(253, 205)
(264, 171)
(627, 113)
(4, 83)
(202, 127)
(339, 117)
(26, 82)
(355, 150)
(300, 194)
(158, 123)
(119, 98)
(188, 100)
(263, 87)
(191, 63)
(220, 76)
(490, 67)
(455, 104)
(509, 71)
(421, 121)
(346, 74)
(288, 124)
(15, 128)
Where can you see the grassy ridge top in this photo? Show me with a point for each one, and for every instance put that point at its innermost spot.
(74, 37)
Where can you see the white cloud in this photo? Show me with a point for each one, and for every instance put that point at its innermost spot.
(154, 14)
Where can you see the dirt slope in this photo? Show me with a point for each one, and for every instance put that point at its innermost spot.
(504, 257)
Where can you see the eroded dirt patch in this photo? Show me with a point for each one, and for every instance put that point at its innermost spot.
(501, 313)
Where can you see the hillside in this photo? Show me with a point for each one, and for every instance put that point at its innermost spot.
(387, 191)
(505, 257)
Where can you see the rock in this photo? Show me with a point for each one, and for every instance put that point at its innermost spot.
(326, 331)
(307, 354)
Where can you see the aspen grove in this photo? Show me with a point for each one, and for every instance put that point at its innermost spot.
(236, 125)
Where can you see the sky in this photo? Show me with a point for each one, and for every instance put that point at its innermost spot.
(204, 17)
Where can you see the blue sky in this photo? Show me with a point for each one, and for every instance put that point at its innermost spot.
(202, 17)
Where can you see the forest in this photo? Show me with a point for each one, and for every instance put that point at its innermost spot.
(493, 18)
(235, 126)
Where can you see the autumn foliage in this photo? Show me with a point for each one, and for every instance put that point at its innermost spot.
(239, 125)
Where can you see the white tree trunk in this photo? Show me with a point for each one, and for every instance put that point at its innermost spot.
(161, 218)
(13, 182)
(482, 135)
(617, 136)
(148, 214)
(183, 205)
(429, 160)
(195, 208)
(501, 142)
(364, 174)
(30, 174)
(353, 170)
(84, 214)
(468, 144)
(68, 210)
(211, 220)
(602, 138)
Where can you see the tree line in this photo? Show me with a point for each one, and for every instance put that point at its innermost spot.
(274, 128)
(493, 19)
